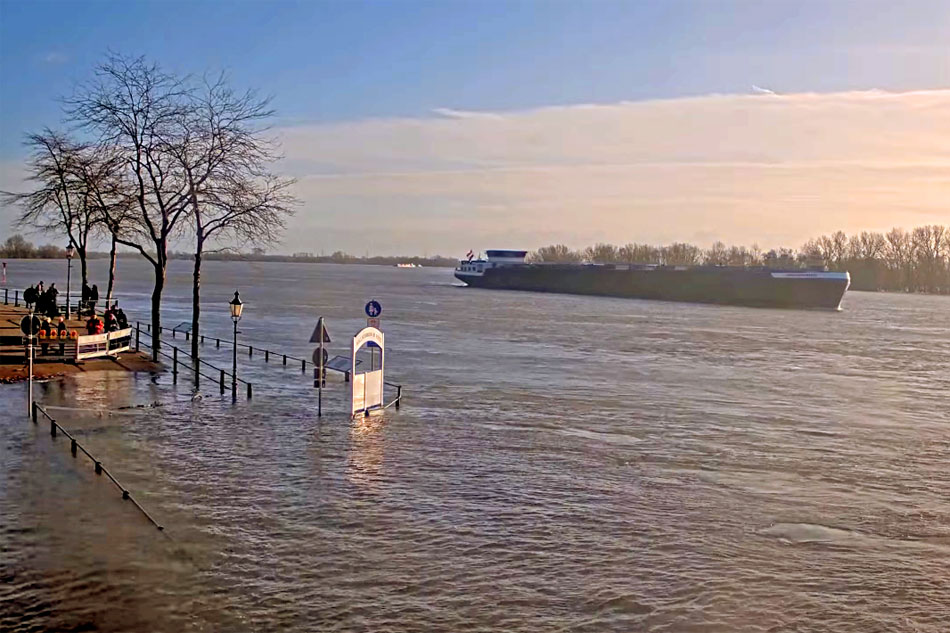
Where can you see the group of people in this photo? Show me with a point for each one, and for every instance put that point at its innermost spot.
(42, 300)
(114, 319)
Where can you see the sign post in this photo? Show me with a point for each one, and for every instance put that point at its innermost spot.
(319, 336)
(29, 325)
(373, 310)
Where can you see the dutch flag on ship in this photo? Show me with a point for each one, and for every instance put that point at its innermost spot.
(470, 254)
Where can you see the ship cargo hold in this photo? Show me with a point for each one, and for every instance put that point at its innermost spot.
(731, 285)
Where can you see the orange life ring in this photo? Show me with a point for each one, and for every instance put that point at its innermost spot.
(53, 335)
(41, 334)
(73, 334)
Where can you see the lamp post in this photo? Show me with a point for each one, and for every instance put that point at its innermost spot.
(236, 308)
(69, 269)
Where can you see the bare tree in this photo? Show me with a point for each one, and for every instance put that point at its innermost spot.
(101, 172)
(639, 254)
(224, 155)
(252, 210)
(717, 255)
(556, 253)
(602, 253)
(136, 108)
(59, 203)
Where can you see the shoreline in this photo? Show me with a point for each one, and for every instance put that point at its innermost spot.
(128, 361)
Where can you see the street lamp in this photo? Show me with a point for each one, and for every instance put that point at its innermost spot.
(236, 308)
(70, 251)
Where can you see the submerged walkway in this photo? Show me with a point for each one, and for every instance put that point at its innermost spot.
(13, 365)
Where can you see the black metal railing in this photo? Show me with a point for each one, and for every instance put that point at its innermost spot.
(220, 377)
(55, 427)
(268, 353)
(249, 347)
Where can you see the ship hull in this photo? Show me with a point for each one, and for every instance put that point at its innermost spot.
(700, 284)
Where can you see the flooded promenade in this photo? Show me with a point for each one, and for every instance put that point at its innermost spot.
(561, 463)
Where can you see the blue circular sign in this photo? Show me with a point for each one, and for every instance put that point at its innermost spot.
(373, 309)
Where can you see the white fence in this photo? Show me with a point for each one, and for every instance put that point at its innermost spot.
(108, 344)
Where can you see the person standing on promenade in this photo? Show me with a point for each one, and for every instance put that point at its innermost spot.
(120, 317)
(52, 310)
(84, 302)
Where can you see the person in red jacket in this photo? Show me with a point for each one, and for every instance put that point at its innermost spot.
(94, 325)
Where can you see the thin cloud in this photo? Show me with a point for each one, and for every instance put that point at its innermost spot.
(762, 91)
(450, 113)
(741, 168)
(54, 57)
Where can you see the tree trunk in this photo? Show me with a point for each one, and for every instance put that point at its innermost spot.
(157, 309)
(83, 265)
(196, 299)
(111, 272)
(84, 273)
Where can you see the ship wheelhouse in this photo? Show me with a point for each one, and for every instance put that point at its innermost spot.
(496, 258)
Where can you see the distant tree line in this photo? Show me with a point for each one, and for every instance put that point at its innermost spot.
(17, 247)
(339, 257)
(898, 261)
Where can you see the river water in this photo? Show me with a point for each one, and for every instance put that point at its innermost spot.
(561, 463)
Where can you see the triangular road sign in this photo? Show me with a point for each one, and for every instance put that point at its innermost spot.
(315, 337)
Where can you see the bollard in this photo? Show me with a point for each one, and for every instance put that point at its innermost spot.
(217, 342)
(398, 396)
(6, 296)
(138, 331)
(222, 382)
(98, 468)
(186, 334)
(52, 428)
(202, 339)
(173, 333)
(125, 494)
(72, 447)
(285, 359)
(16, 298)
(33, 407)
(250, 350)
(266, 355)
(303, 366)
(249, 385)
(175, 365)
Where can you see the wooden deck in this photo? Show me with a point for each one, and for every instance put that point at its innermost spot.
(13, 365)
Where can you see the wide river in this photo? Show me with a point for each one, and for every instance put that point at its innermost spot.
(561, 463)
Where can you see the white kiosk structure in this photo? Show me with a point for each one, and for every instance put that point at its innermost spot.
(367, 387)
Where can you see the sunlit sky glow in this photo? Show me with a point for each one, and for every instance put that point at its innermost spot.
(439, 127)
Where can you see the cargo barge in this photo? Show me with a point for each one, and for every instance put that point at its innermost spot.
(730, 285)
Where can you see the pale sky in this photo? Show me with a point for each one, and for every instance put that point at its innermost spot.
(419, 127)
